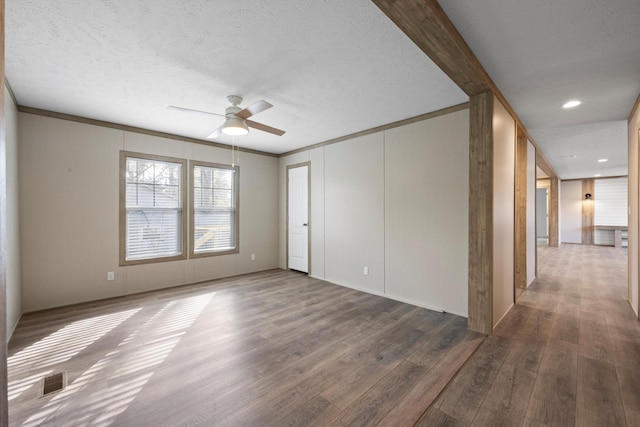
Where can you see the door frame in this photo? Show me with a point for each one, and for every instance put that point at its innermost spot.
(289, 167)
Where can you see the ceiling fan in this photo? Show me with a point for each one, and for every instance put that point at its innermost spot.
(236, 118)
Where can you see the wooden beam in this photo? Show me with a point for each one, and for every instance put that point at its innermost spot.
(521, 209)
(481, 213)
(426, 24)
(544, 165)
(634, 109)
(588, 186)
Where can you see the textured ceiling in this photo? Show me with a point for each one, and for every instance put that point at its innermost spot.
(329, 67)
(543, 53)
(575, 150)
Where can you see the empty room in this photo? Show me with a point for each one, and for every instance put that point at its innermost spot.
(319, 213)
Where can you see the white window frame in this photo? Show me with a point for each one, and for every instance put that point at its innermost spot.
(182, 227)
(193, 253)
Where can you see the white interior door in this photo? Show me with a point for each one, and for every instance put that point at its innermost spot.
(298, 191)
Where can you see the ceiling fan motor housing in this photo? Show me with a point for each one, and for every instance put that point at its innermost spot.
(232, 110)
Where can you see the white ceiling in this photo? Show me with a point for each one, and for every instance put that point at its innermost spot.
(543, 53)
(330, 67)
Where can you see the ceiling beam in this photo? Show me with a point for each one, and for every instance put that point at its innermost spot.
(544, 165)
(427, 25)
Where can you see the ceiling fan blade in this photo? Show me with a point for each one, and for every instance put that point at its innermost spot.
(190, 110)
(216, 133)
(253, 109)
(264, 128)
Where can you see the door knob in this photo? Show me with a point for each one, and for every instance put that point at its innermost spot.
(305, 224)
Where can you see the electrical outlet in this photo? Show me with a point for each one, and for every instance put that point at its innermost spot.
(253, 257)
(365, 271)
(111, 275)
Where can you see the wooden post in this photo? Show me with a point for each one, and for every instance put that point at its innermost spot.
(481, 213)
(554, 212)
(587, 211)
(521, 209)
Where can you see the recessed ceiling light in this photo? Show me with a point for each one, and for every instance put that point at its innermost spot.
(603, 160)
(571, 104)
(597, 174)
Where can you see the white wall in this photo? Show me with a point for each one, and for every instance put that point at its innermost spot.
(531, 213)
(504, 134)
(542, 211)
(69, 213)
(571, 208)
(14, 290)
(634, 208)
(397, 202)
(354, 213)
(427, 213)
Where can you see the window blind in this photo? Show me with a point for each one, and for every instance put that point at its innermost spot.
(153, 203)
(214, 209)
(610, 197)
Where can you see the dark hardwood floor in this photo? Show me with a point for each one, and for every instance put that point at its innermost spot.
(279, 348)
(275, 348)
(567, 354)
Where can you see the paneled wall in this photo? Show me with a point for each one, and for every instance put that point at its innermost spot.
(69, 213)
(14, 290)
(354, 213)
(531, 213)
(395, 201)
(504, 135)
(571, 200)
(634, 208)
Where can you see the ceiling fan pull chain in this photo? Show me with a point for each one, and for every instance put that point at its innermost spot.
(235, 151)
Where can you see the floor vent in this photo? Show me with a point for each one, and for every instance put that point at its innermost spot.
(53, 383)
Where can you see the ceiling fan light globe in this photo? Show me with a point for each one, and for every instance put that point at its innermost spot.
(235, 126)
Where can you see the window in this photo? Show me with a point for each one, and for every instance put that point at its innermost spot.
(152, 224)
(214, 213)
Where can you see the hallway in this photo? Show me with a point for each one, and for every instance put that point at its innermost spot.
(567, 354)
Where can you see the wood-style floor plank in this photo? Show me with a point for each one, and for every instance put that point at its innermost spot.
(571, 351)
(404, 412)
(594, 340)
(373, 405)
(599, 400)
(507, 399)
(553, 399)
(280, 348)
(273, 348)
(629, 380)
(466, 392)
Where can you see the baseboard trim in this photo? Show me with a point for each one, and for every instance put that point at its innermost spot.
(394, 297)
